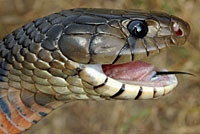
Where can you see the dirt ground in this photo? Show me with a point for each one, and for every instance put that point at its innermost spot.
(177, 113)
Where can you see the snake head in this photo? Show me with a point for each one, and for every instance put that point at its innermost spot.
(116, 36)
(107, 44)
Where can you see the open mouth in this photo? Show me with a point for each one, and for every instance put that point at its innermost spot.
(131, 80)
(139, 73)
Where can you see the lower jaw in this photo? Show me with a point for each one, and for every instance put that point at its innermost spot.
(108, 87)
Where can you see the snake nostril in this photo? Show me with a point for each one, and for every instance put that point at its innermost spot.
(178, 30)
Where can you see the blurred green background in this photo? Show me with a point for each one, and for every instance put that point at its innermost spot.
(177, 113)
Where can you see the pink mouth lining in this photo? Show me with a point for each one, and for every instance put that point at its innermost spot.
(137, 72)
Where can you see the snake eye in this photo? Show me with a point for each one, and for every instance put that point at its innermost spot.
(138, 28)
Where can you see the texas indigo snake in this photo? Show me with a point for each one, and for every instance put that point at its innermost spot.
(70, 55)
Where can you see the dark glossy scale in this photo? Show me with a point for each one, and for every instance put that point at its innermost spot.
(26, 42)
(49, 44)
(34, 48)
(39, 38)
(33, 34)
(45, 55)
(104, 14)
(30, 29)
(136, 14)
(44, 27)
(107, 29)
(57, 72)
(41, 65)
(23, 51)
(4, 65)
(3, 79)
(9, 58)
(79, 29)
(57, 20)
(8, 39)
(52, 17)
(27, 72)
(30, 57)
(28, 98)
(73, 50)
(28, 25)
(56, 64)
(105, 46)
(165, 18)
(39, 21)
(69, 19)
(57, 55)
(67, 13)
(18, 33)
(1, 45)
(55, 31)
(43, 99)
(12, 44)
(3, 72)
(19, 58)
(4, 53)
(86, 19)
(22, 39)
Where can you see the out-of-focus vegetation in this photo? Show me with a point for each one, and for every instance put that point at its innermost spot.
(177, 113)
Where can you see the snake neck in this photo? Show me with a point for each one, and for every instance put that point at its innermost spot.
(20, 109)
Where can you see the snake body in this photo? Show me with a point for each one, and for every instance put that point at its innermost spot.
(58, 58)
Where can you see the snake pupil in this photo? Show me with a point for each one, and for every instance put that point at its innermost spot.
(138, 28)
